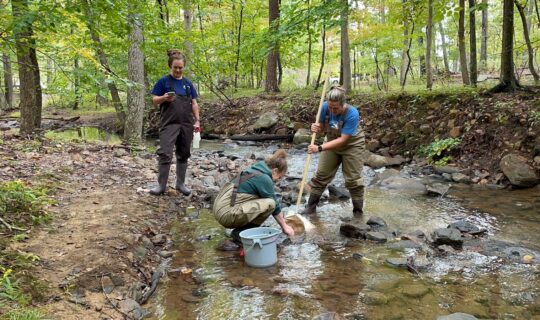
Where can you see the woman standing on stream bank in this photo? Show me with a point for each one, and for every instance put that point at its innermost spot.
(179, 117)
(249, 199)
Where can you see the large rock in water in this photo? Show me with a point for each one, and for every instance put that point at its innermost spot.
(407, 185)
(266, 121)
(302, 136)
(449, 236)
(518, 171)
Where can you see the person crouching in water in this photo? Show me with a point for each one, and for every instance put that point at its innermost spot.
(179, 117)
(249, 199)
(340, 122)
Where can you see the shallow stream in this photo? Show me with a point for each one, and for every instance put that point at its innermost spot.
(318, 273)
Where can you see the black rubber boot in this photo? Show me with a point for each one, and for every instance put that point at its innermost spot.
(358, 206)
(163, 177)
(311, 207)
(181, 168)
(235, 234)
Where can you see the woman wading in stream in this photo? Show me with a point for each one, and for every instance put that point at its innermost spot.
(249, 199)
(340, 123)
(179, 117)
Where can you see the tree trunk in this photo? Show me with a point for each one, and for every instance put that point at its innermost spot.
(309, 46)
(508, 77)
(355, 70)
(30, 86)
(521, 11)
(104, 63)
(472, 42)
(406, 42)
(271, 64)
(135, 96)
(76, 83)
(188, 22)
(429, 38)
(8, 80)
(422, 58)
(323, 52)
(444, 49)
(461, 44)
(345, 54)
(238, 39)
(279, 68)
(530, 15)
(483, 45)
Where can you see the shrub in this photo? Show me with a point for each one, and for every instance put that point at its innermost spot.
(438, 151)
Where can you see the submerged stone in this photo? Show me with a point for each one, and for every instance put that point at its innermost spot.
(354, 231)
(376, 222)
(378, 237)
(374, 298)
(457, 316)
(415, 290)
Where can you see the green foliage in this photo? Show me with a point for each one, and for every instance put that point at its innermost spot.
(437, 152)
(21, 204)
(23, 314)
(9, 291)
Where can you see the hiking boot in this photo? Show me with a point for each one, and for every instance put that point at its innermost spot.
(163, 176)
(358, 206)
(311, 207)
(181, 168)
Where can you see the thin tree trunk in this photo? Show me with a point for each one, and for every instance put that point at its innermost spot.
(429, 38)
(422, 58)
(115, 96)
(508, 77)
(345, 54)
(135, 96)
(188, 22)
(483, 45)
(444, 49)
(521, 11)
(238, 39)
(309, 46)
(271, 64)
(8, 80)
(406, 43)
(408, 52)
(279, 68)
(530, 15)
(472, 42)
(30, 86)
(461, 44)
(76, 83)
(355, 71)
(323, 52)
(201, 28)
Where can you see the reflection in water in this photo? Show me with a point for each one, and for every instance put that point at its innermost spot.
(319, 274)
(84, 133)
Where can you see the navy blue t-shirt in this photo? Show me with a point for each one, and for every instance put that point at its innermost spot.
(181, 86)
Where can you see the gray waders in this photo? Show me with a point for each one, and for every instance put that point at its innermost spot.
(176, 130)
(241, 211)
(349, 157)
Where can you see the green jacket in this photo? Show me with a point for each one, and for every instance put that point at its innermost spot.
(261, 185)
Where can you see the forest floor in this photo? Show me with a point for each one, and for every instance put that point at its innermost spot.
(107, 232)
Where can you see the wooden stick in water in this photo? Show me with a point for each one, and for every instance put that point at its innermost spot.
(313, 136)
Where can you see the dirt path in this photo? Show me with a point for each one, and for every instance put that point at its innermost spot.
(106, 230)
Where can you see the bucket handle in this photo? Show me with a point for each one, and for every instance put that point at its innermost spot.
(255, 243)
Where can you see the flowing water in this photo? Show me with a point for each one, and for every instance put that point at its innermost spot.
(318, 273)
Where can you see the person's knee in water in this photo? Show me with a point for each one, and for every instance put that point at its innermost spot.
(249, 199)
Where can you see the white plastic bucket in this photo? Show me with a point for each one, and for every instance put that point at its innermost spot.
(260, 250)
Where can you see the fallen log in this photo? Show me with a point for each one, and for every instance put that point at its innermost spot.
(262, 137)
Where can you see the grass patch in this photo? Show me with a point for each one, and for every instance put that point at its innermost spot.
(23, 314)
(22, 206)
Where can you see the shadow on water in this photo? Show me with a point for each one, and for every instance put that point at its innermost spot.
(320, 273)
